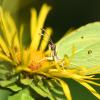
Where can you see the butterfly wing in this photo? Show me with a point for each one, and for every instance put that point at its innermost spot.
(82, 46)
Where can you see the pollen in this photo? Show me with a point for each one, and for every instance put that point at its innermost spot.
(37, 59)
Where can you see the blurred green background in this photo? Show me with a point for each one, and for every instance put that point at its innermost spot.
(64, 15)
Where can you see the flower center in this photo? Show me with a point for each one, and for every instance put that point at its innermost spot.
(34, 61)
(37, 58)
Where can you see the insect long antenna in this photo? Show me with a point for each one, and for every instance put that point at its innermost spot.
(52, 46)
(50, 40)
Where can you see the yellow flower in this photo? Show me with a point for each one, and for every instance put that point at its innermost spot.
(34, 59)
(11, 41)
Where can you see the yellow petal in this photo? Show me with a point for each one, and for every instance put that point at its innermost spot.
(33, 23)
(12, 29)
(65, 73)
(90, 88)
(40, 23)
(8, 26)
(65, 89)
(20, 42)
(11, 24)
(91, 82)
(5, 31)
(16, 41)
(3, 57)
(45, 39)
(4, 47)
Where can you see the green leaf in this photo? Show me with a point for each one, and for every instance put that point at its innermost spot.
(56, 90)
(65, 89)
(34, 87)
(4, 94)
(45, 88)
(14, 87)
(6, 83)
(5, 70)
(10, 84)
(82, 46)
(26, 81)
(21, 95)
